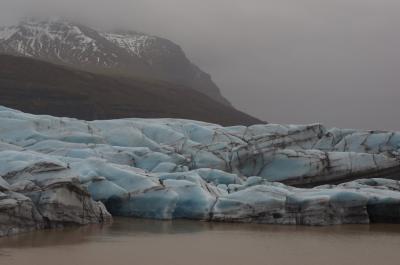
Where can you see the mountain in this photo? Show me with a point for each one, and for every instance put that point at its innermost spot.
(41, 87)
(127, 53)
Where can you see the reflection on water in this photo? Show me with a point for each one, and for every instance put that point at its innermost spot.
(185, 242)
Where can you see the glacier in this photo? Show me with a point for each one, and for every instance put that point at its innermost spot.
(62, 171)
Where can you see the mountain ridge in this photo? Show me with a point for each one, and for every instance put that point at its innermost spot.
(129, 53)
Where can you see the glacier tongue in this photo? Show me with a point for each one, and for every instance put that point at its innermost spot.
(170, 168)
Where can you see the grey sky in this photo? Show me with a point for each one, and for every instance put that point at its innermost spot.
(285, 61)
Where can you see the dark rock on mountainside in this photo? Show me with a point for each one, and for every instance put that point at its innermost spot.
(44, 88)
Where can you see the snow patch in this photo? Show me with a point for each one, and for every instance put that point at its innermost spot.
(133, 43)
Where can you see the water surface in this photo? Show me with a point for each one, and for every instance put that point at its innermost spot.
(144, 242)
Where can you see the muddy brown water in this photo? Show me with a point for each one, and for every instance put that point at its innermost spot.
(144, 242)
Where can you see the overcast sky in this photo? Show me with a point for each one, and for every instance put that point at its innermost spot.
(284, 61)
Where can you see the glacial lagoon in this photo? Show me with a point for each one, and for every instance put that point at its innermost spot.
(148, 242)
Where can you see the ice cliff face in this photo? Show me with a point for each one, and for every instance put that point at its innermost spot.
(167, 169)
(45, 195)
(130, 53)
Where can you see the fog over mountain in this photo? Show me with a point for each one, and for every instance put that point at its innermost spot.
(285, 61)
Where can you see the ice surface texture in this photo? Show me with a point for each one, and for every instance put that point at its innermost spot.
(169, 168)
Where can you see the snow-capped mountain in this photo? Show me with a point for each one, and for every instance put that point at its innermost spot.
(61, 41)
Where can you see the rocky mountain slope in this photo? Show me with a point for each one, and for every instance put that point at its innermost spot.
(170, 169)
(128, 53)
(45, 88)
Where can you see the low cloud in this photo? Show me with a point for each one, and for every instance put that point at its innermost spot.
(286, 61)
